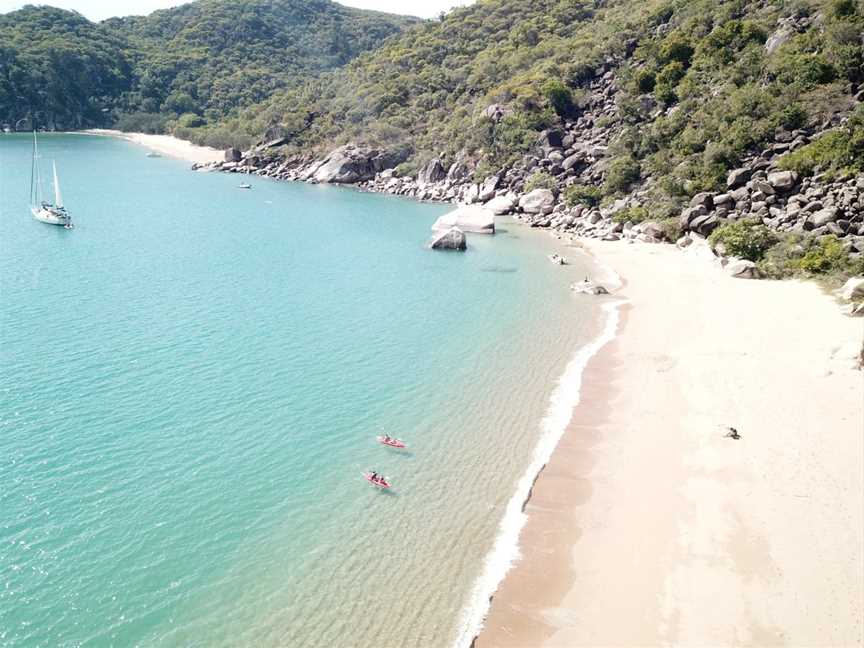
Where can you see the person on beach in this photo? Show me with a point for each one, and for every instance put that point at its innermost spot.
(733, 434)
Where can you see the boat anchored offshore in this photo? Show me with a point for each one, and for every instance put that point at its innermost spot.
(244, 185)
(391, 442)
(42, 210)
(376, 480)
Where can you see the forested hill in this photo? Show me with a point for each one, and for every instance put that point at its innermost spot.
(698, 82)
(192, 65)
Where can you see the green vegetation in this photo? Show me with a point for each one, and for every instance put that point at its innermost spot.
(838, 152)
(209, 58)
(806, 255)
(632, 215)
(540, 180)
(745, 239)
(587, 195)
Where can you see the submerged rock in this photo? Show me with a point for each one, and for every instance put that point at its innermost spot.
(451, 239)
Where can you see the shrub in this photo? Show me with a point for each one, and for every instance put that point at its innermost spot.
(539, 180)
(141, 122)
(632, 215)
(840, 151)
(827, 256)
(792, 116)
(744, 239)
(622, 173)
(587, 195)
(807, 69)
(843, 8)
(781, 260)
(559, 97)
(676, 47)
(671, 228)
(645, 81)
(190, 120)
(671, 74)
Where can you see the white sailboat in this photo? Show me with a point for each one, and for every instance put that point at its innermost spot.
(42, 210)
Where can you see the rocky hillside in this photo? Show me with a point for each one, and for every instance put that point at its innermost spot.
(739, 120)
(190, 67)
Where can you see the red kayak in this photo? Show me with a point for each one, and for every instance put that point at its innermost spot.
(393, 443)
(378, 481)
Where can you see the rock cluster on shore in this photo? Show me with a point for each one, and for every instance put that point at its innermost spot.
(576, 153)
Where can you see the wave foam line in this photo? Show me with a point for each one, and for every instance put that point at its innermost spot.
(563, 401)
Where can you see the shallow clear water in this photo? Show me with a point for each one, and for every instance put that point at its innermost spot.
(190, 385)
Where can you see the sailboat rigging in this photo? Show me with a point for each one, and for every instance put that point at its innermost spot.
(43, 210)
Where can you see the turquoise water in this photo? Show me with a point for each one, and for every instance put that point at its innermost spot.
(190, 385)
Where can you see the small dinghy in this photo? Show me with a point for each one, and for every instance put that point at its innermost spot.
(244, 185)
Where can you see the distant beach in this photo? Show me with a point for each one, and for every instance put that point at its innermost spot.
(646, 496)
(165, 145)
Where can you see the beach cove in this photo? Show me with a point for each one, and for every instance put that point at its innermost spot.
(646, 494)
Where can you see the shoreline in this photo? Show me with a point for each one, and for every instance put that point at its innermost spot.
(166, 145)
(565, 397)
(615, 519)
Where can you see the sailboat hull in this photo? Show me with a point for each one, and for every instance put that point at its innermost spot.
(51, 216)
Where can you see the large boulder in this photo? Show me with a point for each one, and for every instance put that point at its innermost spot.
(539, 201)
(550, 139)
(573, 160)
(233, 155)
(704, 224)
(468, 218)
(738, 177)
(503, 204)
(449, 239)
(348, 164)
(822, 217)
(705, 199)
(488, 187)
(432, 171)
(497, 112)
(742, 269)
(783, 180)
(460, 169)
(853, 289)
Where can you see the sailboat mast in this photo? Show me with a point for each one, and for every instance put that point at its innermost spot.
(58, 199)
(33, 172)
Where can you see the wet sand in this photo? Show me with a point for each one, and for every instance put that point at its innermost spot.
(649, 527)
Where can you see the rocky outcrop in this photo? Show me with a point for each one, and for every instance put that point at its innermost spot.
(502, 204)
(853, 289)
(539, 201)
(742, 269)
(432, 172)
(469, 218)
(349, 164)
(449, 239)
(233, 155)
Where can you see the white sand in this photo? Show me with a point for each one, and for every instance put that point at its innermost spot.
(166, 145)
(648, 527)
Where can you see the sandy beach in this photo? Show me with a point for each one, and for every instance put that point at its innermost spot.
(649, 527)
(165, 145)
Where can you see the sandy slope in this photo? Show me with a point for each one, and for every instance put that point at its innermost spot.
(648, 527)
(166, 145)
